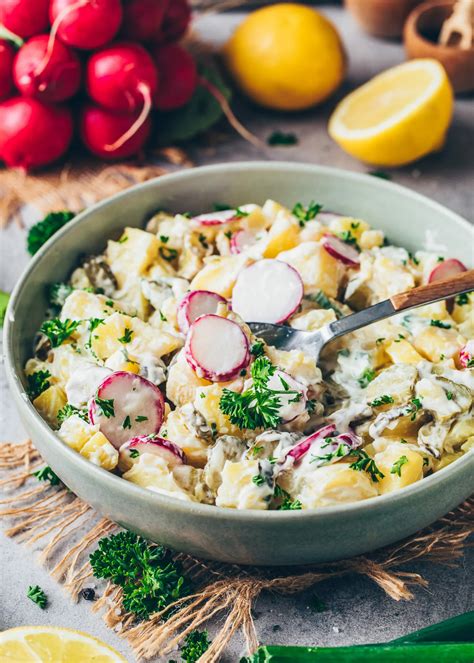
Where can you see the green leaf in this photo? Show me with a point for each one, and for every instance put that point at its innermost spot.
(43, 230)
(4, 297)
(199, 115)
(36, 594)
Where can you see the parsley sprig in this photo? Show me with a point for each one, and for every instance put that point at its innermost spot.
(68, 410)
(106, 406)
(58, 330)
(367, 376)
(149, 578)
(47, 474)
(37, 382)
(305, 214)
(43, 230)
(36, 594)
(382, 400)
(440, 324)
(398, 464)
(364, 463)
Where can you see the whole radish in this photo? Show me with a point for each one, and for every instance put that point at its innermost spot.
(123, 78)
(24, 18)
(142, 19)
(7, 55)
(175, 22)
(85, 24)
(33, 134)
(50, 77)
(178, 76)
(102, 132)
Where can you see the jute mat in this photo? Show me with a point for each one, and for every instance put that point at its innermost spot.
(51, 519)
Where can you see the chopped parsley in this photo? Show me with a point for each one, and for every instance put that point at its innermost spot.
(257, 349)
(164, 239)
(150, 579)
(367, 376)
(255, 451)
(43, 230)
(123, 239)
(258, 480)
(470, 363)
(380, 340)
(93, 324)
(282, 138)
(106, 406)
(290, 505)
(203, 241)
(167, 254)
(127, 422)
(382, 400)
(47, 474)
(440, 324)
(348, 238)
(228, 234)
(240, 213)
(127, 336)
(58, 330)
(449, 395)
(365, 463)
(140, 418)
(68, 410)
(413, 407)
(463, 299)
(310, 405)
(341, 451)
(305, 214)
(37, 382)
(134, 453)
(401, 337)
(109, 302)
(163, 317)
(398, 464)
(36, 594)
(195, 645)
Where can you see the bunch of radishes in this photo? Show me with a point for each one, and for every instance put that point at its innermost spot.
(115, 60)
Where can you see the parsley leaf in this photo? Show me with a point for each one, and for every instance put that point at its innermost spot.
(398, 464)
(58, 293)
(365, 463)
(106, 406)
(43, 230)
(167, 253)
(68, 410)
(463, 299)
(290, 505)
(127, 336)
(257, 349)
(47, 474)
(305, 214)
(258, 480)
(440, 324)
(382, 400)
(413, 407)
(367, 376)
(127, 422)
(195, 645)
(36, 594)
(37, 383)
(134, 453)
(58, 330)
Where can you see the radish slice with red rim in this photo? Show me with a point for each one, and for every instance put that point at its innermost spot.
(215, 218)
(323, 443)
(195, 304)
(150, 444)
(446, 269)
(292, 395)
(242, 240)
(267, 291)
(303, 446)
(125, 406)
(340, 250)
(466, 355)
(216, 348)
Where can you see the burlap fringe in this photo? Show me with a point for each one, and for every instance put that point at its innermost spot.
(51, 517)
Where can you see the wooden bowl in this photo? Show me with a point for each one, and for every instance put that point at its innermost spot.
(382, 18)
(420, 37)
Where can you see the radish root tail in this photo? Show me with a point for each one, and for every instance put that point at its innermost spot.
(147, 106)
(229, 113)
(52, 35)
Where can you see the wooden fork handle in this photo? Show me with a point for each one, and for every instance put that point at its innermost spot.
(433, 292)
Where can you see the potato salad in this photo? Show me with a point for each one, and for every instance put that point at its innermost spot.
(146, 365)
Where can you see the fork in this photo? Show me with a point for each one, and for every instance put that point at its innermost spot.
(312, 342)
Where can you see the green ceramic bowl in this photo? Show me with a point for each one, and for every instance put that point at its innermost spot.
(246, 537)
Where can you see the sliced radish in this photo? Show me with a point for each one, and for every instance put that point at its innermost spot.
(446, 269)
(125, 406)
(216, 348)
(301, 448)
(466, 355)
(195, 304)
(341, 250)
(267, 291)
(215, 218)
(293, 403)
(150, 444)
(242, 240)
(323, 443)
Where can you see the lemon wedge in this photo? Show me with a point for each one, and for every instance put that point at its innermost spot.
(48, 644)
(398, 116)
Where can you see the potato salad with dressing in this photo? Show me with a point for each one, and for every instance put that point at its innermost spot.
(146, 365)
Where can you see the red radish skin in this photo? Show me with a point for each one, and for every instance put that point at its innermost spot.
(320, 445)
(178, 77)
(176, 21)
(7, 56)
(195, 304)
(466, 355)
(297, 452)
(85, 24)
(33, 134)
(132, 397)
(216, 348)
(241, 241)
(446, 269)
(50, 77)
(142, 19)
(221, 218)
(25, 18)
(267, 291)
(288, 410)
(100, 129)
(340, 250)
(151, 444)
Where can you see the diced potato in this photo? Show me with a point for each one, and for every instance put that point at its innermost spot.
(133, 254)
(50, 402)
(120, 361)
(220, 274)
(400, 466)
(76, 432)
(238, 490)
(345, 224)
(318, 269)
(100, 452)
(436, 311)
(193, 446)
(461, 431)
(283, 235)
(298, 364)
(334, 484)
(403, 352)
(206, 403)
(182, 382)
(66, 359)
(82, 305)
(435, 399)
(390, 277)
(369, 239)
(153, 473)
(312, 231)
(432, 342)
(312, 320)
(255, 221)
(396, 381)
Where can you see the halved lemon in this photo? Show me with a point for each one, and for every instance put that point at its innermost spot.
(398, 116)
(51, 644)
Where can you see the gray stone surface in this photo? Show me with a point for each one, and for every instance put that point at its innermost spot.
(357, 611)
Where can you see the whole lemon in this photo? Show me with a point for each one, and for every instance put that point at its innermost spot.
(286, 56)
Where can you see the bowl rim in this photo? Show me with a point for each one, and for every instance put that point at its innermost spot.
(412, 29)
(158, 500)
